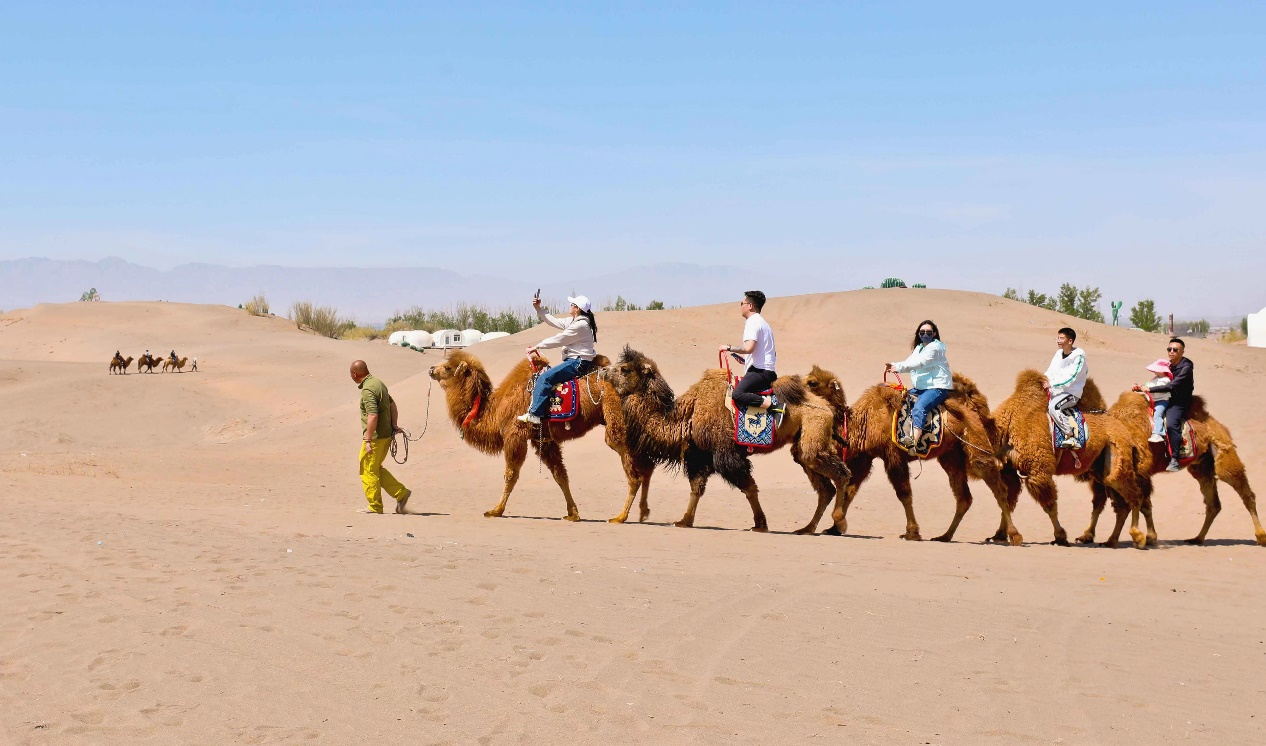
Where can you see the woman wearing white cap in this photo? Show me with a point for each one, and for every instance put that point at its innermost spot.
(577, 339)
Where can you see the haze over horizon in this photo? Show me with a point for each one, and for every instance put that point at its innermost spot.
(968, 148)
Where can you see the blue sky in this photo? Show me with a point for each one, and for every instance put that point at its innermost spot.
(966, 145)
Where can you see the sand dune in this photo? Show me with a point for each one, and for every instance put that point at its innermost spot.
(181, 561)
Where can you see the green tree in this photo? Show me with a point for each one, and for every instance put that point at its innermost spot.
(655, 305)
(1194, 328)
(1066, 301)
(1011, 294)
(1041, 300)
(1088, 304)
(1143, 315)
(1244, 325)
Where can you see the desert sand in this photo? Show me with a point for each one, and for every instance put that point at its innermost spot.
(181, 560)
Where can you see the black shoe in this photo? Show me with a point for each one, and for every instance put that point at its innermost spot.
(1173, 465)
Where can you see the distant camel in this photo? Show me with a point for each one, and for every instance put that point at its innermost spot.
(1109, 457)
(177, 365)
(966, 451)
(486, 419)
(147, 361)
(116, 366)
(1215, 458)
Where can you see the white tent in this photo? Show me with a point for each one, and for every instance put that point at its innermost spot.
(471, 336)
(418, 339)
(395, 338)
(1257, 329)
(494, 335)
(448, 338)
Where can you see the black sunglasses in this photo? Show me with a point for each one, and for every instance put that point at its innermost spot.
(1173, 349)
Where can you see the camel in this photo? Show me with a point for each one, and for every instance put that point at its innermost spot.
(1215, 458)
(696, 431)
(176, 365)
(147, 361)
(967, 449)
(116, 366)
(485, 417)
(1109, 458)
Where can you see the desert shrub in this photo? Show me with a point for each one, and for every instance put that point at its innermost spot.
(323, 320)
(655, 305)
(463, 316)
(893, 282)
(919, 285)
(620, 304)
(1244, 326)
(257, 306)
(1233, 336)
(1082, 303)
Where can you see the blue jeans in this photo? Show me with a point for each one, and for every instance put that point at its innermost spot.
(570, 368)
(926, 401)
(1158, 416)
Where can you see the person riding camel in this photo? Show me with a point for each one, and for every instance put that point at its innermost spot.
(930, 378)
(577, 338)
(1160, 399)
(118, 358)
(1180, 390)
(1065, 380)
(762, 357)
(174, 359)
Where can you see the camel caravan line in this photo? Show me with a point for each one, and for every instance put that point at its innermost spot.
(147, 363)
(837, 443)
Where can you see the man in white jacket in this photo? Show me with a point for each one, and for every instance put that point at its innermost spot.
(1065, 380)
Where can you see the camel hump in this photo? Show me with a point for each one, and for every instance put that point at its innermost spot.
(968, 388)
(1092, 397)
(790, 390)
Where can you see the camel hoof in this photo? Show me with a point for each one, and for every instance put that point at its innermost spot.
(1085, 539)
(759, 529)
(943, 538)
(618, 519)
(1109, 544)
(1198, 541)
(1151, 539)
(912, 536)
(1261, 540)
(1017, 540)
(1061, 541)
(573, 517)
(643, 516)
(833, 531)
(683, 523)
(493, 513)
(998, 538)
(807, 530)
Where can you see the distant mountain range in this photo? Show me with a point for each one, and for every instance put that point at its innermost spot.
(372, 295)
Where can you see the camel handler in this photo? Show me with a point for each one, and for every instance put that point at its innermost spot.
(1180, 390)
(378, 415)
(578, 336)
(758, 345)
(1065, 381)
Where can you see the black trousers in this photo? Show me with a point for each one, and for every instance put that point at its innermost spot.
(754, 381)
(1175, 416)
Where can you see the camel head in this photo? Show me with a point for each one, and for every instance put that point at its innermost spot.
(459, 368)
(827, 385)
(635, 373)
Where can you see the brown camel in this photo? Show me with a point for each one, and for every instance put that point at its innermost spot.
(696, 431)
(485, 417)
(176, 365)
(147, 361)
(1215, 458)
(967, 449)
(1109, 458)
(117, 367)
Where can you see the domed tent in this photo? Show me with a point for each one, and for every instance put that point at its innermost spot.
(494, 335)
(419, 339)
(395, 338)
(471, 336)
(448, 338)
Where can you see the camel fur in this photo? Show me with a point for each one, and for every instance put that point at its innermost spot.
(1109, 458)
(696, 432)
(494, 428)
(968, 450)
(1215, 458)
(176, 365)
(116, 366)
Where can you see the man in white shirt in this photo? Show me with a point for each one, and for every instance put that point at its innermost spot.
(758, 346)
(1065, 380)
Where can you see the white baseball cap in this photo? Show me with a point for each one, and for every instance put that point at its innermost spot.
(580, 302)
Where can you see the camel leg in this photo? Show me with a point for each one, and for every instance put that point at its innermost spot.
(1209, 489)
(993, 479)
(552, 455)
(955, 465)
(1098, 499)
(515, 453)
(736, 469)
(698, 465)
(1146, 509)
(1228, 467)
(859, 469)
(826, 491)
(1042, 488)
(644, 505)
(1008, 498)
(635, 479)
(899, 477)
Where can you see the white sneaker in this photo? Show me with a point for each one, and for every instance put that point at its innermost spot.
(1156, 438)
(529, 419)
(1070, 443)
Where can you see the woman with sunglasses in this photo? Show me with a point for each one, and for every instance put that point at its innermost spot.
(578, 336)
(931, 380)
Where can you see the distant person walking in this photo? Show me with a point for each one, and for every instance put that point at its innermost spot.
(378, 415)
(762, 359)
(195, 365)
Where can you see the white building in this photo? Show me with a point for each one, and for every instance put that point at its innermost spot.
(418, 339)
(395, 338)
(447, 339)
(471, 336)
(1257, 329)
(494, 335)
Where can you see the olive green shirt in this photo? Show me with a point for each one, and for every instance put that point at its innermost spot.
(374, 399)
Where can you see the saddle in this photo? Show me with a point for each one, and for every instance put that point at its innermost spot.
(903, 426)
(754, 428)
(1079, 427)
(564, 398)
(1186, 452)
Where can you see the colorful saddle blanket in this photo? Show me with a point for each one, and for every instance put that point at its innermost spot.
(564, 401)
(1187, 452)
(903, 426)
(754, 427)
(1079, 424)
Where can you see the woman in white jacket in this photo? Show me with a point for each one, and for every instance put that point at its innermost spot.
(930, 377)
(577, 338)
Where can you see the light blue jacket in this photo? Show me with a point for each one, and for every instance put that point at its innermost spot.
(928, 367)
